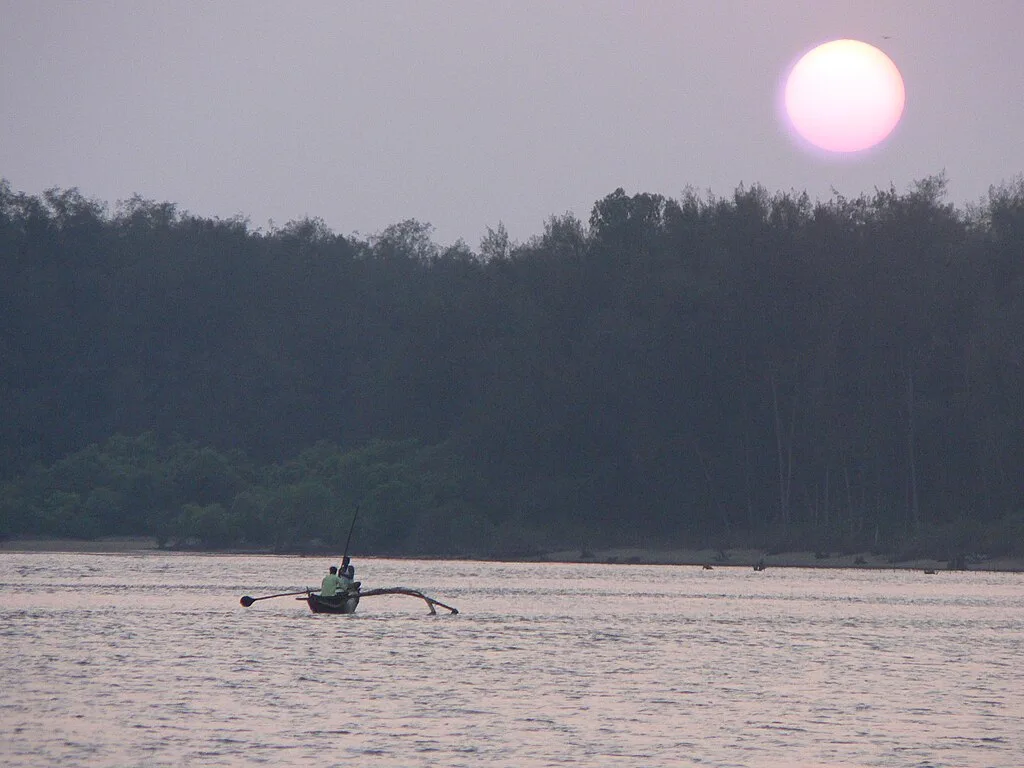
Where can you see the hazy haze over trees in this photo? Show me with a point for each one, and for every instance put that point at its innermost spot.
(759, 369)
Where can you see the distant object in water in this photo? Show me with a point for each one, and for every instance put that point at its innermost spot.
(708, 567)
(930, 571)
(760, 565)
(347, 602)
(347, 605)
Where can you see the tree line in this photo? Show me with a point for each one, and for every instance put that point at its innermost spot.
(759, 369)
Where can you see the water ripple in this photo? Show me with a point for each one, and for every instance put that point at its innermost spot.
(150, 660)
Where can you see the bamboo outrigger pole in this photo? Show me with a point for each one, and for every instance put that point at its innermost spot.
(431, 602)
(246, 601)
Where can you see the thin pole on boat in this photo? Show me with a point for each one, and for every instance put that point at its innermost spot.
(350, 529)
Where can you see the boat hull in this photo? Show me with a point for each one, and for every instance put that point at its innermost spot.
(342, 604)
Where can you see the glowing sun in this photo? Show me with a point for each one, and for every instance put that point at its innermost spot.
(844, 96)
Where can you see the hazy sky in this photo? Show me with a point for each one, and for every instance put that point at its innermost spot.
(467, 113)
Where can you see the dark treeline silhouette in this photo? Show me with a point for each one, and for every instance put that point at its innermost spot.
(758, 370)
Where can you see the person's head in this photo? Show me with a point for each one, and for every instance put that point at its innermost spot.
(344, 561)
(334, 569)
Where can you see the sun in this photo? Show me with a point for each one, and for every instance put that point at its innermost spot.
(844, 96)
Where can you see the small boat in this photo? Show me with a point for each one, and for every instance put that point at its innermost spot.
(347, 602)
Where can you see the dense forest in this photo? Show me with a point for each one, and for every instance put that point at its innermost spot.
(760, 369)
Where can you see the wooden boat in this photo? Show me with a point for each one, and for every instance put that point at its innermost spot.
(346, 602)
(349, 601)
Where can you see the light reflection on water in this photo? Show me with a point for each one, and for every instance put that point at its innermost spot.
(149, 660)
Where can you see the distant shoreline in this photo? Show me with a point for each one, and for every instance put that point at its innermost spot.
(748, 558)
(88, 546)
(707, 558)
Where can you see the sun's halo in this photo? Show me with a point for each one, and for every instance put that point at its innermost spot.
(844, 96)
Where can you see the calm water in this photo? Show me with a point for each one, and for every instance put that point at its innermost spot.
(149, 660)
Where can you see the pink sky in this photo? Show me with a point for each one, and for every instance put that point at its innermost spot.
(465, 114)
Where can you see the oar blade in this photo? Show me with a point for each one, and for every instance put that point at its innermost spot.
(246, 601)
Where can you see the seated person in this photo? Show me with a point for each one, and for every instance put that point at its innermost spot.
(333, 584)
(345, 579)
(348, 571)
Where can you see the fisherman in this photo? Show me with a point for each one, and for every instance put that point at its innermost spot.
(348, 571)
(345, 572)
(332, 584)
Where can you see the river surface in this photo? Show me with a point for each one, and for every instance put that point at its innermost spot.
(149, 660)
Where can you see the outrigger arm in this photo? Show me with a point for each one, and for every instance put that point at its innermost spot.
(431, 602)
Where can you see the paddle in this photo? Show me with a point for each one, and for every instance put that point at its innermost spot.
(246, 601)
